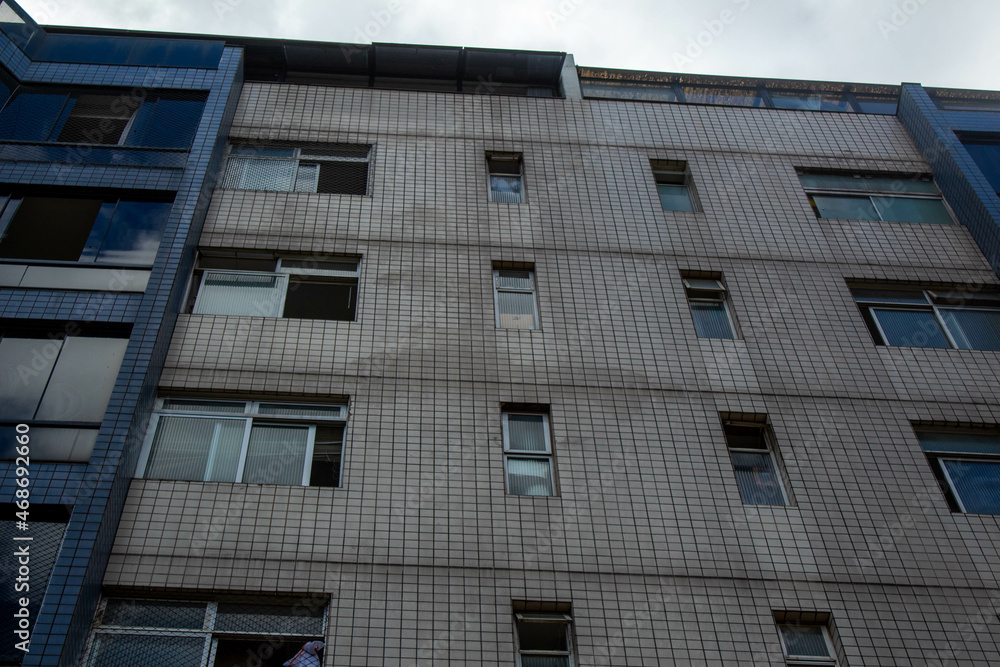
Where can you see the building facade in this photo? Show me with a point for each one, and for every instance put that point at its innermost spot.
(472, 357)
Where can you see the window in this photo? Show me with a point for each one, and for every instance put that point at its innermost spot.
(966, 319)
(805, 639)
(514, 292)
(811, 100)
(189, 633)
(48, 523)
(59, 384)
(544, 635)
(673, 184)
(888, 198)
(506, 178)
(985, 152)
(739, 97)
(325, 168)
(83, 230)
(707, 298)
(967, 466)
(160, 119)
(757, 473)
(528, 454)
(254, 442)
(264, 286)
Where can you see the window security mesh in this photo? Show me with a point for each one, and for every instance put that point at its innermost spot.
(161, 633)
(44, 547)
(332, 169)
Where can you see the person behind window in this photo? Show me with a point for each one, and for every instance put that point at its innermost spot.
(307, 656)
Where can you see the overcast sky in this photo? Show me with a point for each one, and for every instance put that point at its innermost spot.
(950, 43)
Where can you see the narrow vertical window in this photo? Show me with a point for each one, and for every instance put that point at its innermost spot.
(544, 640)
(754, 463)
(805, 638)
(528, 454)
(673, 184)
(514, 292)
(707, 298)
(506, 177)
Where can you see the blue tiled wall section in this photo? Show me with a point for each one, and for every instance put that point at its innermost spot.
(960, 179)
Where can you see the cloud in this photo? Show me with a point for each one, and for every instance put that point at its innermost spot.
(879, 41)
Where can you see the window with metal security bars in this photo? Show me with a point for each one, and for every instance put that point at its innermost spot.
(262, 285)
(707, 300)
(757, 472)
(514, 298)
(805, 639)
(506, 177)
(527, 449)
(544, 639)
(155, 119)
(253, 442)
(46, 526)
(265, 633)
(673, 184)
(887, 198)
(966, 463)
(59, 385)
(320, 168)
(964, 318)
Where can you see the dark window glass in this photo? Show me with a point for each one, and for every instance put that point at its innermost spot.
(320, 300)
(910, 328)
(96, 119)
(876, 104)
(86, 230)
(542, 637)
(987, 157)
(132, 235)
(326, 456)
(741, 97)
(31, 115)
(346, 178)
(167, 120)
(50, 228)
(811, 101)
(72, 445)
(839, 206)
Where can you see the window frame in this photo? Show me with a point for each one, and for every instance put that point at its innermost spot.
(864, 193)
(808, 661)
(663, 174)
(300, 155)
(10, 206)
(533, 291)
(500, 156)
(250, 415)
(548, 455)
(547, 618)
(932, 304)
(936, 457)
(207, 631)
(284, 274)
(128, 100)
(770, 449)
(694, 294)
